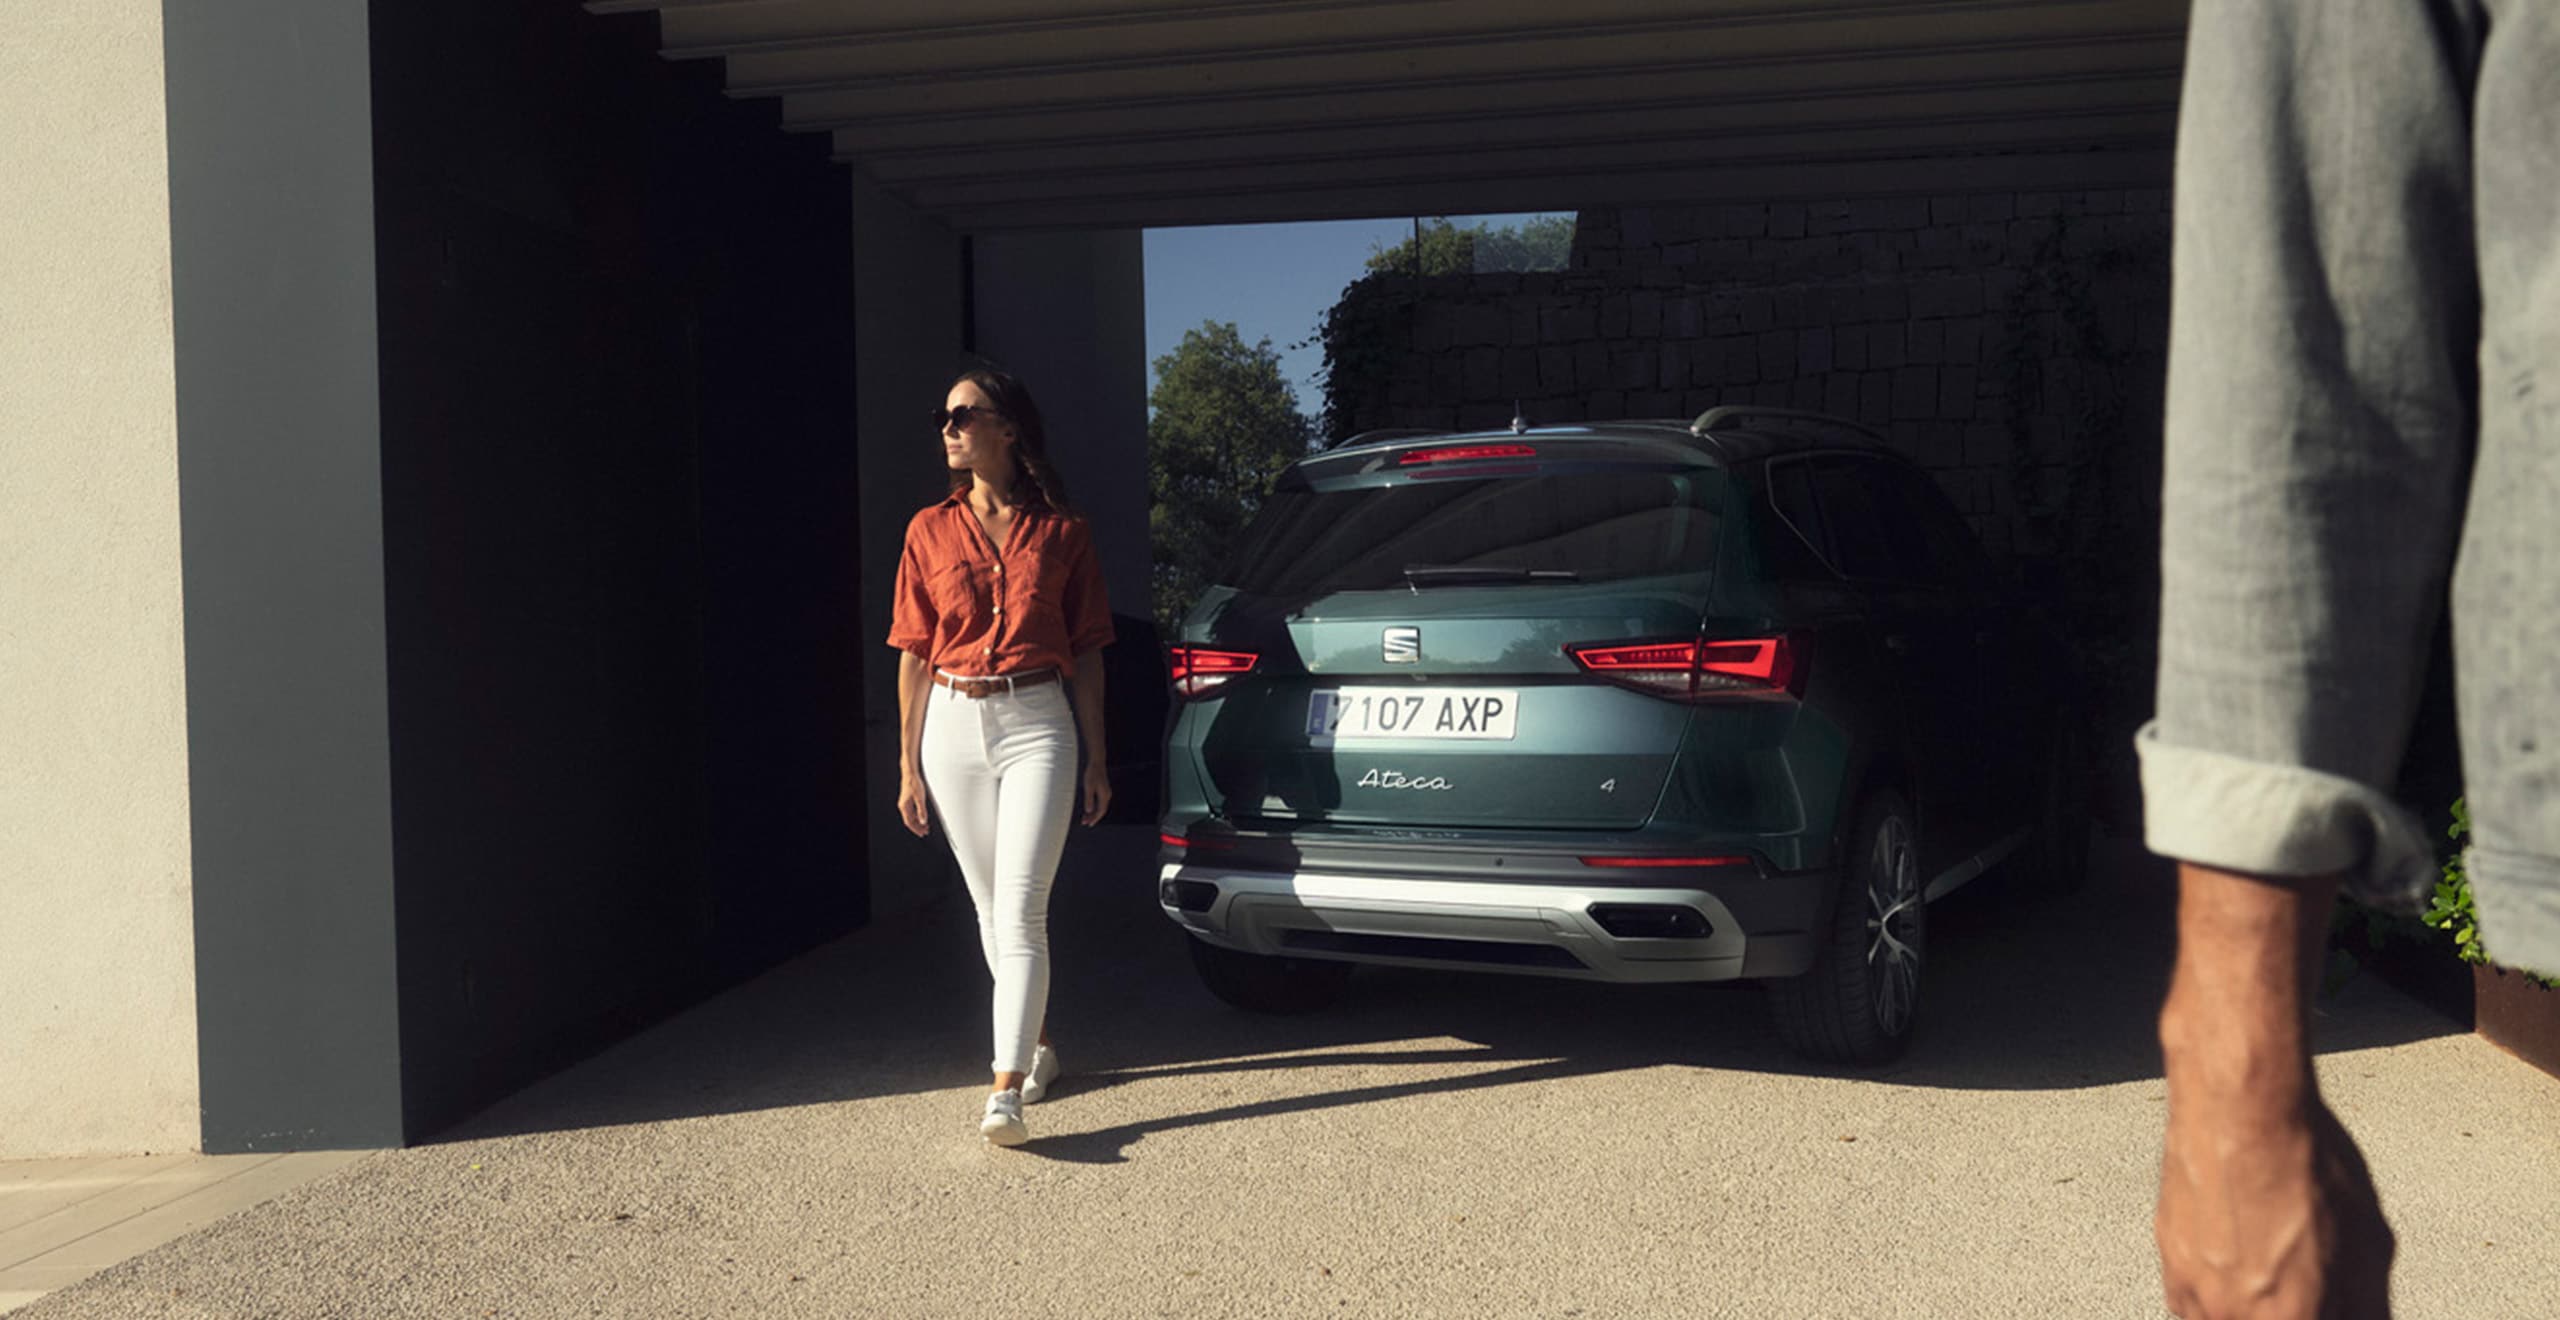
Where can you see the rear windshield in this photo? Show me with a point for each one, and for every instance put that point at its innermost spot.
(1594, 526)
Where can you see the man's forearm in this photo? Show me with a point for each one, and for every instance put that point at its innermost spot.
(2236, 1025)
(2266, 1207)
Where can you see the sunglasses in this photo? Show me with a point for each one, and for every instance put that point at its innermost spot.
(964, 416)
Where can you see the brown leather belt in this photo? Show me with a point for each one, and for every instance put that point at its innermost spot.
(993, 684)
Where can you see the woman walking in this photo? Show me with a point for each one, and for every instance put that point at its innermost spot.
(999, 609)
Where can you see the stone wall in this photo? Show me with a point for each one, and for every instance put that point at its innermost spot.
(2013, 343)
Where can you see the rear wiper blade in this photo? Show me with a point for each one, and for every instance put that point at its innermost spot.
(1417, 576)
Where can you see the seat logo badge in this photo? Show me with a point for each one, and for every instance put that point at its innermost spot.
(1403, 646)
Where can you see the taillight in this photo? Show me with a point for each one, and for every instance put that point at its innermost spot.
(1198, 671)
(1764, 661)
(1463, 453)
(1700, 668)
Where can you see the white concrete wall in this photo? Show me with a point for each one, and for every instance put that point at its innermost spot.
(97, 966)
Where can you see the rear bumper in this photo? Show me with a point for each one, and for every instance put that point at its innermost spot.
(1754, 925)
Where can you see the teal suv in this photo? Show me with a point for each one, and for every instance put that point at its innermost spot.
(1634, 701)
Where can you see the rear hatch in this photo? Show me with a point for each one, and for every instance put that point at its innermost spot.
(1413, 615)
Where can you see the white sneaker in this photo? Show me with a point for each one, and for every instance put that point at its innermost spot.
(1044, 1070)
(1003, 1124)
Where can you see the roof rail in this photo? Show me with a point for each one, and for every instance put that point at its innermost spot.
(1743, 415)
(1386, 433)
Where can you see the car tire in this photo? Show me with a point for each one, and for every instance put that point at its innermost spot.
(1858, 1002)
(1264, 984)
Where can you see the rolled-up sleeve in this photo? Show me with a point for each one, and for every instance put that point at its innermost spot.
(1087, 607)
(2323, 339)
(911, 612)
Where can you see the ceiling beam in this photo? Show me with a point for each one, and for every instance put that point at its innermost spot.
(1422, 172)
(644, 6)
(771, 26)
(1326, 92)
(1635, 92)
(1328, 28)
(895, 18)
(998, 114)
(795, 25)
(929, 89)
(1561, 191)
(1559, 131)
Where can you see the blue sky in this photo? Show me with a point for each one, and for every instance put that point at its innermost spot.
(1273, 281)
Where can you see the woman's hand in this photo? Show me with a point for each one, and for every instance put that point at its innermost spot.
(1097, 790)
(1086, 693)
(911, 809)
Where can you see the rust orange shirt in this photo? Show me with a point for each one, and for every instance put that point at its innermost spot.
(965, 608)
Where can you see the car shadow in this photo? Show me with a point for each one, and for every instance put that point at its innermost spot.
(2028, 991)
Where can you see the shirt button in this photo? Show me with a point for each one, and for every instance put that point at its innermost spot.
(999, 570)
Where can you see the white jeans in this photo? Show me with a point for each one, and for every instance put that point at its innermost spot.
(1001, 771)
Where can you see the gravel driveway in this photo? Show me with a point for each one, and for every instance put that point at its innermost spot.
(1436, 1145)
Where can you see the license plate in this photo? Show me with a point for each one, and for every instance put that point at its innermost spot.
(1405, 712)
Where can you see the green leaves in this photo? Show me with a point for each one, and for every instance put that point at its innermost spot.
(1441, 248)
(1367, 333)
(1224, 423)
(2450, 908)
(1364, 334)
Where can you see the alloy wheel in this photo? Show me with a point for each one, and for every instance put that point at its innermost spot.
(1897, 926)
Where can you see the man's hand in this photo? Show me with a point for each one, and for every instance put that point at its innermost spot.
(1097, 790)
(911, 808)
(2266, 1208)
(2262, 1218)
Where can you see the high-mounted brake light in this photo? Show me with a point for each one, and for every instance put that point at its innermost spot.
(1462, 453)
(1699, 669)
(1198, 671)
(1665, 861)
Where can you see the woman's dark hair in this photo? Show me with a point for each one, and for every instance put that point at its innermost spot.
(1036, 484)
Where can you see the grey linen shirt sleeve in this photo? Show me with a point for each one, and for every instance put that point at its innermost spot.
(2324, 327)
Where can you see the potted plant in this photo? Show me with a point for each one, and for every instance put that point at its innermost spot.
(2517, 1011)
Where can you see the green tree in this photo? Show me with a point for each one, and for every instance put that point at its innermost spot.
(1540, 243)
(1225, 422)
